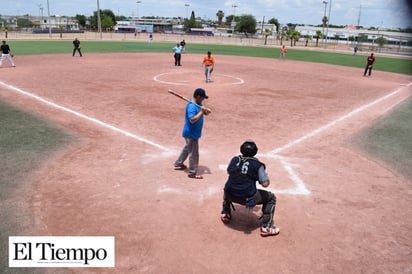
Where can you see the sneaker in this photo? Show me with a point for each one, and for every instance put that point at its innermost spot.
(225, 217)
(180, 167)
(194, 176)
(269, 231)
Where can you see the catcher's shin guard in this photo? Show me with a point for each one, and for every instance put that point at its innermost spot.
(268, 210)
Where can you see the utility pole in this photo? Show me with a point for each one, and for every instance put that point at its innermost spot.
(48, 14)
(323, 22)
(327, 27)
(99, 21)
(358, 24)
(187, 10)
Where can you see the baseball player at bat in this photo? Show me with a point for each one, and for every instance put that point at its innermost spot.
(192, 131)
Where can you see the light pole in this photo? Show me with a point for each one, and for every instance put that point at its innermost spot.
(138, 2)
(323, 22)
(234, 6)
(48, 19)
(99, 21)
(327, 27)
(187, 10)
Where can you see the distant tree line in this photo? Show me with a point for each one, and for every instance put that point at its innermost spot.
(245, 24)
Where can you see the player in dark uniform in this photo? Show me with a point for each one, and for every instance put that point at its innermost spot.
(369, 64)
(183, 45)
(6, 53)
(240, 188)
(76, 46)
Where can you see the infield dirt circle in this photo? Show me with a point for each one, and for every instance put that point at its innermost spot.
(339, 210)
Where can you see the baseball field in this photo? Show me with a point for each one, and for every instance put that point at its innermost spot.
(88, 146)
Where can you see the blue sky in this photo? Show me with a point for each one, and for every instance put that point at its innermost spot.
(377, 13)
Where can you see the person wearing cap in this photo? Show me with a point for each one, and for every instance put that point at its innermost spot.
(76, 47)
(192, 131)
(178, 54)
(208, 64)
(6, 54)
(369, 65)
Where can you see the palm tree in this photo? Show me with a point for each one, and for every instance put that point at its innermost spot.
(294, 37)
(61, 30)
(324, 21)
(308, 37)
(220, 15)
(266, 34)
(6, 30)
(318, 35)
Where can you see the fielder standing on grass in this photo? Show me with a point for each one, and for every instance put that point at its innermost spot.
(208, 63)
(192, 131)
(6, 53)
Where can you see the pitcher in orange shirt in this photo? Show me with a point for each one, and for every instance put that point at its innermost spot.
(283, 51)
(208, 64)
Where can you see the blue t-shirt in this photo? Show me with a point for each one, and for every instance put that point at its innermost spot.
(177, 49)
(192, 130)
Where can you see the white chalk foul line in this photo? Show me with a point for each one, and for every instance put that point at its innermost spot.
(333, 123)
(300, 188)
(88, 118)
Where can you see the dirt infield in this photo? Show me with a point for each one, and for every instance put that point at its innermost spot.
(339, 211)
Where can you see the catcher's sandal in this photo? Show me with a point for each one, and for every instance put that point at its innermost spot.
(269, 231)
(225, 217)
(180, 167)
(194, 176)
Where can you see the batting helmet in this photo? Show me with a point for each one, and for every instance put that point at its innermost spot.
(248, 148)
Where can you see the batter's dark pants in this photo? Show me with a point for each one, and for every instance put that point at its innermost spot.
(178, 57)
(262, 197)
(78, 49)
(368, 68)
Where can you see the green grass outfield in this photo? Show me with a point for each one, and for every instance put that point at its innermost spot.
(390, 139)
(25, 142)
(396, 65)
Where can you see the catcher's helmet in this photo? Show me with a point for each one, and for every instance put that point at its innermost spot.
(248, 148)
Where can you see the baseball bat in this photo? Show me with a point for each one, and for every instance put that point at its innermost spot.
(183, 98)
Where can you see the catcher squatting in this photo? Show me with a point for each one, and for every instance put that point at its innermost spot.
(240, 188)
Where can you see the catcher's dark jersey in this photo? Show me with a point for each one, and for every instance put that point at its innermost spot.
(243, 174)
